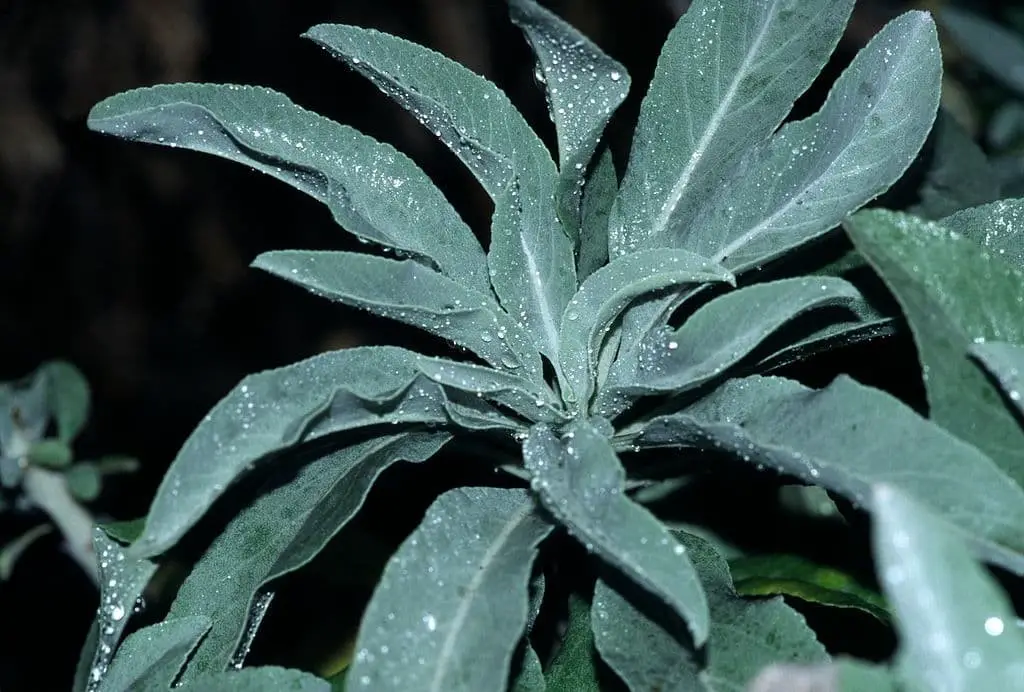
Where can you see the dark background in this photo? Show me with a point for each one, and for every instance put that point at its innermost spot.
(131, 261)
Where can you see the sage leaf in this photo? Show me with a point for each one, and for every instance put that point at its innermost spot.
(581, 482)
(413, 294)
(151, 658)
(871, 325)
(957, 629)
(12, 551)
(583, 86)
(69, 398)
(998, 50)
(727, 76)
(1005, 363)
(599, 193)
(283, 529)
(531, 674)
(954, 294)
(372, 190)
(721, 334)
(574, 667)
(605, 295)
(860, 676)
(260, 679)
(272, 411)
(531, 256)
(997, 227)
(820, 437)
(451, 605)
(793, 575)
(746, 635)
(812, 173)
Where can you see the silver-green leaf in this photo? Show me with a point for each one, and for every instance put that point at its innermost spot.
(997, 227)
(373, 190)
(581, 482)
(1005, 364)
(727, 76)
(957, 629)
(451, 605)
(599, 193)
(260, 679)
(151, 658)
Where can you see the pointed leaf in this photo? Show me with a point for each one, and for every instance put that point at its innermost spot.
(605, 295)
(282, 530)
(272, 411)
(151, 658)
(531, 257)
(956, 626)
(953, 294)
(997, 49)
(373, 191)
(998, 227)
(746, 635)
(721, 334)
(581, 482)
(584, 87)
(598, 196)
(814, 172)
(1005, 363)
(574, 668)
(69, 398)
(727, 76)
(411, 293)
(452, 603)
(260, 679)
(531, 674)
(848, 437)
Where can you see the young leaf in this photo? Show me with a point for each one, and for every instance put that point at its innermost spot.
(848, 437)
(598, 196)
(792, 575)
(84, 481)
(718, 336)
(452, 603)
(584, 87)
(727, 76)
(69, 397)
(411, 293)
(574, 668)
(531, 256)
(998, 227)
(372, 190)
(953, 294)
(581, 482)
(282, 530)
(54, 454)
(260, 679)
(606, 293)
(746, 635)
(1005, 363)
(274, 410)
(151, 658)
(997, 49)
(811, 174)
(957, 628)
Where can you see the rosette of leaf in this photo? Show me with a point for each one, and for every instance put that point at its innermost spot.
(603, 319)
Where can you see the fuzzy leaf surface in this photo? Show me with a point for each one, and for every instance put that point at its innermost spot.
(1005, 364)
(151, 658)
(574, 668)
(998, 227)
(260, 679)
(599, 193)
(373, 191)
(728, 74)
(451, 605)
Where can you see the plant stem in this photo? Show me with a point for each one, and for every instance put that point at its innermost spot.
(49, 491)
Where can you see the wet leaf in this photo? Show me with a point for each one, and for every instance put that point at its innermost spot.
(452, 603)
(574, 667)
(598, 196)
(1005, 363)
(531, 675)
(260, 679)
(151, 658)
(998, 227)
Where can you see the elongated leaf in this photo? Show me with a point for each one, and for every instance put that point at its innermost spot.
(870, 325)
(848, 437)
(1005, 363)
(452, 603)
(997, 49)
(792, 575)
(584, 87)
(69, 398)
(955, 624)
(574, 668)
(281, 531)
(531, 256)
(274, 410)
(598, 196)
(814, 172)
(151, 658)
(531, 675)
(122, 580)
(719, 335)
(581, 482)
(746, 635)
(408, 292)
(260, 679)
(727, 76)
(373, 191)
(998, 227)
(954, 294)
(959, 176)
(607, 292)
